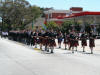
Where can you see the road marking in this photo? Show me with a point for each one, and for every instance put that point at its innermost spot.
(37, 49)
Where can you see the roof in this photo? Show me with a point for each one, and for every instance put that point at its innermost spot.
(56, 11)
(82, 14)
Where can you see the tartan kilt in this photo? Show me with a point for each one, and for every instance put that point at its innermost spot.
(72, 43)
(76, 43)
(41, 40)
(35, 39)
(84, 43)
(69, 42)
(52, 43)
(91, 43)
(46, 41)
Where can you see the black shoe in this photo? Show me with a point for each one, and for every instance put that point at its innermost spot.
(72, 51)
(47, 50)
(91, 52)
(51, 52)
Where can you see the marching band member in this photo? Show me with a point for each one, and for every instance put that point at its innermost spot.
(60, 37)
(46, 41)
(91, 41)
(76, 40)
(52, 43)
(32, 39)
(66, 40)
(83, 41)
(72, 41)
(40, 35)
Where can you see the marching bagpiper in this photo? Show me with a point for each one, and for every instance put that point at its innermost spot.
(46, 40)
(83, 40)
(35, 38)
(51, 40)
(40, 36)
(76, 40)
(72, 41)
(91, 41)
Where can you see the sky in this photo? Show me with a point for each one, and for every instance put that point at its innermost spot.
(88, 5)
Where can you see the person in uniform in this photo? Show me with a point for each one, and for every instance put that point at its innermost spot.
(52, 43)
(36, 38)
(32, 39)
(28, 35)
(65, 40)
(91, 41)
(46, 40)
(76, 40)
(72, 41)
(60, 37)
(40, 36)
(68, 41)
(83, 40)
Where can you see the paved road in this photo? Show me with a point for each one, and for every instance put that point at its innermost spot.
(17, 59)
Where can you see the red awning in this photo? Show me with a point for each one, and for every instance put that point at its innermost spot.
(82, 14)
(60, 17)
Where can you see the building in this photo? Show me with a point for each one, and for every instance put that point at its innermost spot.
(86, 17)
(58, 15)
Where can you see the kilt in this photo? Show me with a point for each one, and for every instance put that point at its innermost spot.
(76, 43)
(46, 41)
(40, 40)
(84, 42)
(37, 40)
(52, 42)
(91, 43)
(72, 42)
(68, 41)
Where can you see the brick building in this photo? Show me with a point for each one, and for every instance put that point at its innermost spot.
(58, 15)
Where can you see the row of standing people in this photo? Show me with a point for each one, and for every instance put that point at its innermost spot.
(72, 40)
(33, 38)
(48, 37)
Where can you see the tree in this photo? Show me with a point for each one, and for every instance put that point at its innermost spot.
(66, 26)
(98, 29)
(52, 25)
(19, 13)
(87, 27)
(77, 26)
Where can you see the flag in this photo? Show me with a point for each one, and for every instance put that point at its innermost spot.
(44, 25)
